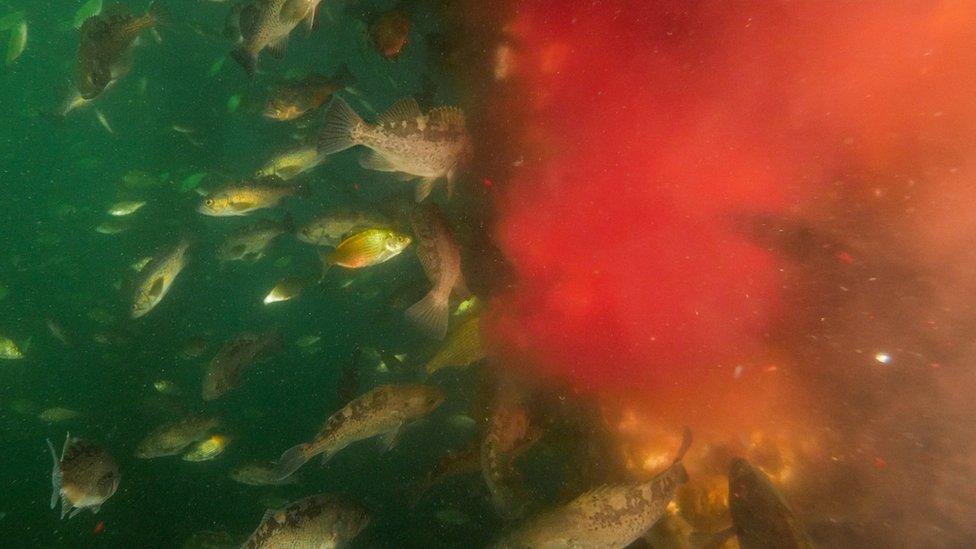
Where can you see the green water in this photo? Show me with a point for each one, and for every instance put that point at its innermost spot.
(58, 178)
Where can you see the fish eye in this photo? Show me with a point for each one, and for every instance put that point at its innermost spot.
(209, 202)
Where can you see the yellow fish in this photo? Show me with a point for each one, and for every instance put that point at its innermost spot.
(367, 248)
(293, 162)
(9, 350)
(246, 197)
(205, 450)
(157, 280)
(462, 347)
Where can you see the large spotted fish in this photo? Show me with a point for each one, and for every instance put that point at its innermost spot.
(608, 517)
(103, 49)
(267, 24)
(441, 259)
(403, 141)
(316, 521)
(84, 477)
(384, 411)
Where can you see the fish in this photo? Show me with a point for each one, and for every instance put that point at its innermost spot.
(245, 197)
(172, 438)
(760, 516)
(58, 331)
(17, 43)
(249, 243)
(607, 517)
(462, 347)
(57, 415)
(126, 207)
(112, 226)
(207, 449)
(89, 9)
(256, 474)
(157, 279)
(166, 387)
(292, 163)
(403, 140)
(390, 32)
(330, 229)
(286, 289)
(440, 257)
(193, 347)
(291, 100)
(508, 424)
(105, 41)
(316, 521)
(308, 340)
(267, 24)
(383, 411)
(9, 350)
(100, 116)
(366, 248)
(226, 370)
(84, 477)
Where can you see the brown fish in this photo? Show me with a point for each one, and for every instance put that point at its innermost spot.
(316, 521)
(226, 370)
(508, 424)
(171, 438)
(84, 477)
(760, 516)
(384, 411)
(389, 33)
(105, 42)
(607, 517)
(403, 140)
(267, 24)
(291, 100)
(441, 259)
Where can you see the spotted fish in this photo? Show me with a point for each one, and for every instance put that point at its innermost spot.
(103, 47)
(384, 411)
(84, 477)
(608, 517)
(403, 140)
(441, 259)
(508, 424)
(316, 521)
(226, 370)
(267, 24)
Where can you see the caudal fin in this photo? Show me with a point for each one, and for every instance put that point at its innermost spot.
(291, 461)
(430, 315)
(55, 475)
(337, 132)
(246, 60)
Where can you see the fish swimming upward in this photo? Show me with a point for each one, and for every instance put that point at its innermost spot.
(267, 24)
(441, 259)
(384, 411)
(84, 477)
(157, 278)
(607, 517)
(104, 46)
(403, 140)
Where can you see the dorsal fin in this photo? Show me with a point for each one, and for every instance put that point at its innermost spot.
(405, 109)
(451, 117)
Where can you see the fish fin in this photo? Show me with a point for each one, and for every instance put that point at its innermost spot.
(277, 50)
(55, 475)
(374, 160)
(401, 111)
(74, 511)
(685, 444)
(289, 172)
(389, 440)
(291, 461)
(430, 314)
(327, 457)
(310, 18)
(451, 117)
(424, 188)
(404, 176)
(246, 60)
(95, 509)
(461, 290)
(339, 123)
(451, 178)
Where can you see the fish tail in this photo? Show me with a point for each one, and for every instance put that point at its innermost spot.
(337, 131)
(327, 262)
(430, 314)
(55, 475)
(246, 60)
(685, 444)
(291, 461)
